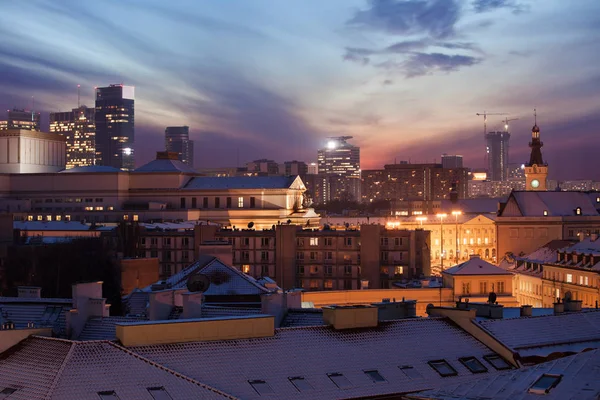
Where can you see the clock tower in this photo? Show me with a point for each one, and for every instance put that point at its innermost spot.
(536, 171)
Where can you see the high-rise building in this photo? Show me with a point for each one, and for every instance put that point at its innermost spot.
(536, 171)
(403, 181)
(295, 168)
(339, 164)
(516, 172)
(313, 168)
(263, 167)
(21, 119)
(452, 161)
(79, 129)
(497, 155)
(115, 126)
(177, 140)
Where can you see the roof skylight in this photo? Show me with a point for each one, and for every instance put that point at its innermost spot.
(7, 392)
(340, 380)
(108, 395)
(442, 367)
(473, 364)
(375, 376)
(159, 393)
(410, 372)
(300, 383)
(261, 387)
(497, 362)
(545, 383)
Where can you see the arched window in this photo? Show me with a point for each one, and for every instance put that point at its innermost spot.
(487, 253)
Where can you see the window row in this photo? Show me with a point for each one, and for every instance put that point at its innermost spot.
(215, 202)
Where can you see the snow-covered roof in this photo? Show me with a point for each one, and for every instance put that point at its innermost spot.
(42, 312)
(556, 204)
(549, 332)
(585, 246)
(47, 368)
(476, 266)
(166, 165)
(90, 169)
(473, 206)
(241, 182)
(51, 225)
(311, 353)
(546, 253)
(579, 380)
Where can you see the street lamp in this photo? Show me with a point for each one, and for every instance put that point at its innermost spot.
(456, 214)
(441, 217)
(421, 219)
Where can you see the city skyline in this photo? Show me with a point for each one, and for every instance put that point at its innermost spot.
(274, 78)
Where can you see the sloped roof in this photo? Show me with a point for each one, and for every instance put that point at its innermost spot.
(166, 165)
(546, 253)
(46, 368)
(313, 352)
(42, 312)
(90, 169)
(476, 266)
(550, 331)
(557, 204)
(240, 182)
(587, 246)
(51, 225)
(579, 381)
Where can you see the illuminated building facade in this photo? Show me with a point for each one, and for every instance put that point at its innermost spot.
(78, 127)
(339, 165)
(497, 149)
(114, 119)
(21, 119)
(177, 140)
(25, 152)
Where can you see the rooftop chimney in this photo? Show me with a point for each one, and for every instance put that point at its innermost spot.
(594, 237)
(526, 311)
(346, 317)
(192, 305)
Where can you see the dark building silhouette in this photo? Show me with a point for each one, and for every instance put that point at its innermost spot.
(115, 126)
(497, 155)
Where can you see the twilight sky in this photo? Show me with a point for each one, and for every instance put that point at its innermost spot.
(274, 78)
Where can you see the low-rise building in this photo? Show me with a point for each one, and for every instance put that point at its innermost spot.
(24, 151)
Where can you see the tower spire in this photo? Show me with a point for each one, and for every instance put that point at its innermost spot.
(535, 116)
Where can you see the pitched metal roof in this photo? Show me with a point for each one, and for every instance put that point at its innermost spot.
(90, 169)
(579, 380)
(240, 182)
(476, 266)
(46, 368)
(166, 165)
(546, 333)
(557, 204)
(314, 352)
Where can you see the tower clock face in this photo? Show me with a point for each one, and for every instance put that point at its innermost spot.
(535, 183)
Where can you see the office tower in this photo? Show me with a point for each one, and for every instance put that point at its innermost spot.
(177, 140)
(78, 127)
(516, 172)
(263, 167)
(313, 168)
(452, 161)
(295, 168)
(497, 154)
(536, 171)
(21, 119)
(115, 127)
(339, 166)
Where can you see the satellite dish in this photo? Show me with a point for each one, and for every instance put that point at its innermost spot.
(198, 283)
(568, 295)
(492, 298)
(250, 225)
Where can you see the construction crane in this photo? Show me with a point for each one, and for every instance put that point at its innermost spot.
(506, 121)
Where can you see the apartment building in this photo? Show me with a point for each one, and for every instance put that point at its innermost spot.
(311, 259)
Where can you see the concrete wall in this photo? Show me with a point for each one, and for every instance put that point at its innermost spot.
(138, 273)
(9, 338)
(148, 333)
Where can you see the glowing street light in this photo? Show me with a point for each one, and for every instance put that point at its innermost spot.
(441, 217)
(331, 144)
(421, 219)
(456, 214)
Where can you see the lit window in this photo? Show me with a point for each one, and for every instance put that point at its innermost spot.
(497, 362)
(110, 208)
(340, 380)
(108, 395)
(578, 211)
(261, 387)
(473, 364)
(587, 282)
(48, 217)
(300, 383)
(375, 376)
(545, 383)
(246, 268)
(569, 278)
(67, 217)
(545, 213)
(125, 217)
(314, 241)
(58, 218)
(442, 367)
(410, 372)
(30, 218)
(100, 208)
(240, 202)
(159, 393)
(136, 217)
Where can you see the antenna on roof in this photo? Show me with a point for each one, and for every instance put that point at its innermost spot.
(535, 116)
(198, 283)
(78, 96)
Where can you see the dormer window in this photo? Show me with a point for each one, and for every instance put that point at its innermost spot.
(545, 213)
(578, 211)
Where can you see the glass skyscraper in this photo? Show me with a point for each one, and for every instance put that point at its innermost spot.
(339, 167)
(114, 119)
(497, 155)
(177, 140)
(79, 129)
